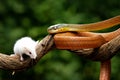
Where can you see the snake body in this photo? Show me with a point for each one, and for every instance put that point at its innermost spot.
(82, 40)
(77, 41)
(76, 36)
(84, 27)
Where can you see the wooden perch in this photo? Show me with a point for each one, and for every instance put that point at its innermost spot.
(13, 62)
(105, 52)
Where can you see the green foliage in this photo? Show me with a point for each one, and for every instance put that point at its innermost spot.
(20, 18)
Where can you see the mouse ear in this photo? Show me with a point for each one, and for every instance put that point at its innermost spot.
(37, 42)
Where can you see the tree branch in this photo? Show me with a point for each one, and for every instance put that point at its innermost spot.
(13, 62)
(105, 52)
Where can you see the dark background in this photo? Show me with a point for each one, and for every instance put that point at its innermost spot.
(19, 18)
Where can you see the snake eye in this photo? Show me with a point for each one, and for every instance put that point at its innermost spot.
(54, 27)
(57, 28)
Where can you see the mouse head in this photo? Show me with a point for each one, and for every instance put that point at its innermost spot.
(30, 52)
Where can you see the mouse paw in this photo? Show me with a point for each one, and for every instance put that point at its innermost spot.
(21, 58)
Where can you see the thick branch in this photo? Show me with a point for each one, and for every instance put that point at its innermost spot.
(13, 62)
(105, 52)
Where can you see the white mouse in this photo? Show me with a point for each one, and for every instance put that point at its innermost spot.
(25, 46)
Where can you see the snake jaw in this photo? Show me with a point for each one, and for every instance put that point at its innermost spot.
(58, 28)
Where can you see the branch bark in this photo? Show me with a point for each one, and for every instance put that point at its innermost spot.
(105, 52)
(8, 62)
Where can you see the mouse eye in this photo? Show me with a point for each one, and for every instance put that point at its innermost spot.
(30, 53)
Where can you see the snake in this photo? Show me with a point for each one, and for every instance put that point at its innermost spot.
(84, 27)
(80, 36)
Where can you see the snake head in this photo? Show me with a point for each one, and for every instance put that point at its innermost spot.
(58, 28)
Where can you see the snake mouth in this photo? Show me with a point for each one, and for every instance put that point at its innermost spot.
(59, 30)
(52, 31)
